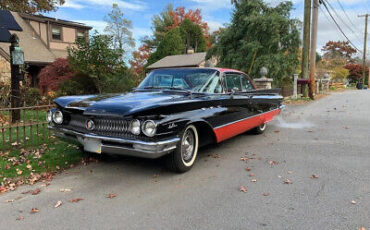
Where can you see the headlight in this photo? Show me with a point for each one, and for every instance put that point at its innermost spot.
(49, 116)
(135, 127)
(58, 117)
(149, 128)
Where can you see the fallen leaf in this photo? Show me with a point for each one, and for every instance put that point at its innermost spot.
(36, 191)
(111, 195)
(243, 159)
(19, 172)
(254, 180)
(29, 167)
(287, 181)
(252, 175)
(243, 189)
(271, 163)
(34, 210)
(290, 172)
(353, 202)
(248, 169)
(361, 228)
(75, 200)
(65, 190)
(20, 218)
(277, 131)
(59, 203)
(2, 189)
(314, 176)
(9, 201)
(266, 194)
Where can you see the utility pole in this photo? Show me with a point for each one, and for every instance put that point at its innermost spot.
(315, 17)
(365, 47)
(306, 41)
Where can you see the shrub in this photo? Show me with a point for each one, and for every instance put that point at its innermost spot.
(52, 75)
(4, 94)
(79, 84)
(32, 96)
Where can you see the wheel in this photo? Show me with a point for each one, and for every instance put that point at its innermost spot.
(183, 158)
(260, 129)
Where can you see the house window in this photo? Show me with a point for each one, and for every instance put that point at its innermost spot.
(56, 33)
(80, 34)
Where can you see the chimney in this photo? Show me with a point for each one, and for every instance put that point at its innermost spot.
(190, 50)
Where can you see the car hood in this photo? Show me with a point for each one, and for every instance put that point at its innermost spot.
(122, 104)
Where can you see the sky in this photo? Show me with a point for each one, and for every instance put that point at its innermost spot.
(218, 13)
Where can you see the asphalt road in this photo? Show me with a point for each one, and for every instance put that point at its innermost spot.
(329, 138)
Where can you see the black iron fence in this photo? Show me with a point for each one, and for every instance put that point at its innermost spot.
(30, 130)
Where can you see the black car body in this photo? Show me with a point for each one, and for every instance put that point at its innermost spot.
(173, 111)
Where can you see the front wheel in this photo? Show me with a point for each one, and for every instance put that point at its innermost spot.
(260, 129)
(183, 158)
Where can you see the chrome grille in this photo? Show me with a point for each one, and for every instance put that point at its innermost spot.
(103, 126)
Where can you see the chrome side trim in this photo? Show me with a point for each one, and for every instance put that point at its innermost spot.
(280, 108)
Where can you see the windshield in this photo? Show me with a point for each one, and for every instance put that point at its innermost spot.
(195, 80)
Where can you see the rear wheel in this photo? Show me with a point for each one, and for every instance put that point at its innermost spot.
(185, 154)
(260, 129)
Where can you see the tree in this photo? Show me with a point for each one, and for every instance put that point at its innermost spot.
(31, 7)
(355, 72)
(172, 44)
(192, 36)
(260, 35)
(138, 62)
(53, 74)
(340, 74)
(119, 28)
(339, 50)
(96, 58)
(169, 19)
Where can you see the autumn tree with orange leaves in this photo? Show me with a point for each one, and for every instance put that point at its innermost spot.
(138, 62)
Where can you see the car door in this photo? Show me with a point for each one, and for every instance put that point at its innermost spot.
(237, 105)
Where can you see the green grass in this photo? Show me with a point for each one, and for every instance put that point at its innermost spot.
(55, 156)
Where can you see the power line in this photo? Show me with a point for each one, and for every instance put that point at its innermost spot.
(349, 27)
(336, 23)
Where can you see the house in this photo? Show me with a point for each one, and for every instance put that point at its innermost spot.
(42, 39)
(190, 59)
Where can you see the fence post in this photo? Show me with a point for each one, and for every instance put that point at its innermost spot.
(295, 89)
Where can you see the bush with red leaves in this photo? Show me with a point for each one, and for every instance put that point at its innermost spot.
(53, 74)
(355, 72)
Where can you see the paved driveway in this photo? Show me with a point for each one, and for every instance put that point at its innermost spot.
(329, 138)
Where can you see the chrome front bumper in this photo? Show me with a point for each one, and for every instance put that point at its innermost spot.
(103, 144)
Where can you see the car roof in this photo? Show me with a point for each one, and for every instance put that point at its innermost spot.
(222, 70)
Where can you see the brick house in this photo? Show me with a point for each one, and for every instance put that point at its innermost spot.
(43, 39)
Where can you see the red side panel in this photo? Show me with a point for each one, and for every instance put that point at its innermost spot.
(233, 129)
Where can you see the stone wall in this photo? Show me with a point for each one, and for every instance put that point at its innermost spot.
(4, 70)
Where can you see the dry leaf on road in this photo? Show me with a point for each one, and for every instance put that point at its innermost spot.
(353, 202)
(36, 191)
(314, 176)
(248, 169)
(20, 218)
(266, 194)
(243, 189)
(271, 163)
(59, 203)
(287, 181)
(277, 131)
(34, 210)
(111, 195)
(252, 175)
(75, 200)
(254, 180)
(243, 159)
(65, 190)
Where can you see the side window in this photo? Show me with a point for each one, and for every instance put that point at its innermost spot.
(232, 82)
(246, 84)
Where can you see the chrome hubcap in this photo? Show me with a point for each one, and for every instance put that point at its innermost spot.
(187, 145)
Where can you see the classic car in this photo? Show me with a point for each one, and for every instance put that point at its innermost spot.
(170, 114)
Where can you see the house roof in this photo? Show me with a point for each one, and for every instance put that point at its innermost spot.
(183, 60)
(35, 50)
(42, 18)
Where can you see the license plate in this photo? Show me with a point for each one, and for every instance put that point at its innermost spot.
(92, 145)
